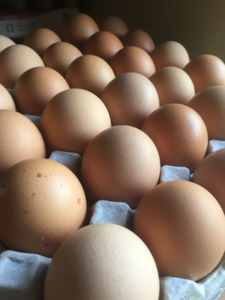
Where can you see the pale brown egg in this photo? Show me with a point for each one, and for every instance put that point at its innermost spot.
(132, 59)
(139, 38)
(206, 70)
(6, 99)
(41, 38)
(103, 260)
(19, 139)
(104, 44)
(130, 98)
(183, 225)
(114, 24)
(41, 203)
(35, 87)
(72, 118)
(120, 164)
(210, 173)
(14, 61)
(77, 28)
(170, 53)
(5, 42)
(59, 56)
(173, 85)
(210, 104)
(179, 134)
(89, 72)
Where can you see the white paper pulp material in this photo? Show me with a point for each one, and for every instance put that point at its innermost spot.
(22, 274)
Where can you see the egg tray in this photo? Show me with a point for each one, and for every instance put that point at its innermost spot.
(22, 275)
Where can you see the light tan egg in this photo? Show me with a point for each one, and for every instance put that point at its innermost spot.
(103, 260)
(170, 53)
(77, 28)
(114, 24)
(132, 59)
(41, 38)
(173, 85)
(14, 61)
(36, 87)
(19, 139)
(72, 118)
(179, 134)
(130, 98)
(206, 70)
(6, 99)
(41, 203)
(5, 42)
(183, 225)
(59, 56)
(120, 164)
(89, 72)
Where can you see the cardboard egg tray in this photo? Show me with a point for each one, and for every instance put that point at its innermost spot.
(22, 275)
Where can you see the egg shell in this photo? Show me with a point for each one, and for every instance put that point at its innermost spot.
(183, 225)
(35, 88)
(179, 134)
(5, 42)
(113, 24)
(72, 119)
(102, 267)
(14, 61)
(41, 203)
(6, 99)
(121, 164)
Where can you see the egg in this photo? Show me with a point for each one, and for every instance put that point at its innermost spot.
(173, 85)
(130, 98)
(89, 72)
(139, 38)
(210, 174)
(41, 203)
(183, 225)
(120, 164)
(115, 264)
(60, 55)
(113, 24)
(35, 87)
(77, 28)
(132, 59)
(6, 99)
(206, 70)
(179, 134)
(41, 38)
(104, 44)
(72, 118)
(210, 104)
(14, 61)
(5, 42)
(19, 139)
(170, 53)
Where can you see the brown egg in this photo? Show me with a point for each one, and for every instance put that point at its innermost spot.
(59, 56)
(139, 38)
(206, 70)
(72, 118)
(132, 59)
(183, 226)
(36, 87)
(102, 267)
(14, 61)
(210, 173)
(179, 134)
(104, 44)
(210, 104)
(41, 38)
(120, 164)
(5, 42)
(170, 53)
(114, 24)
(6, 100)
(77, 28)
(41, 203)
(130, 98)
(89, 72)
(19, 139)
(173, 85)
